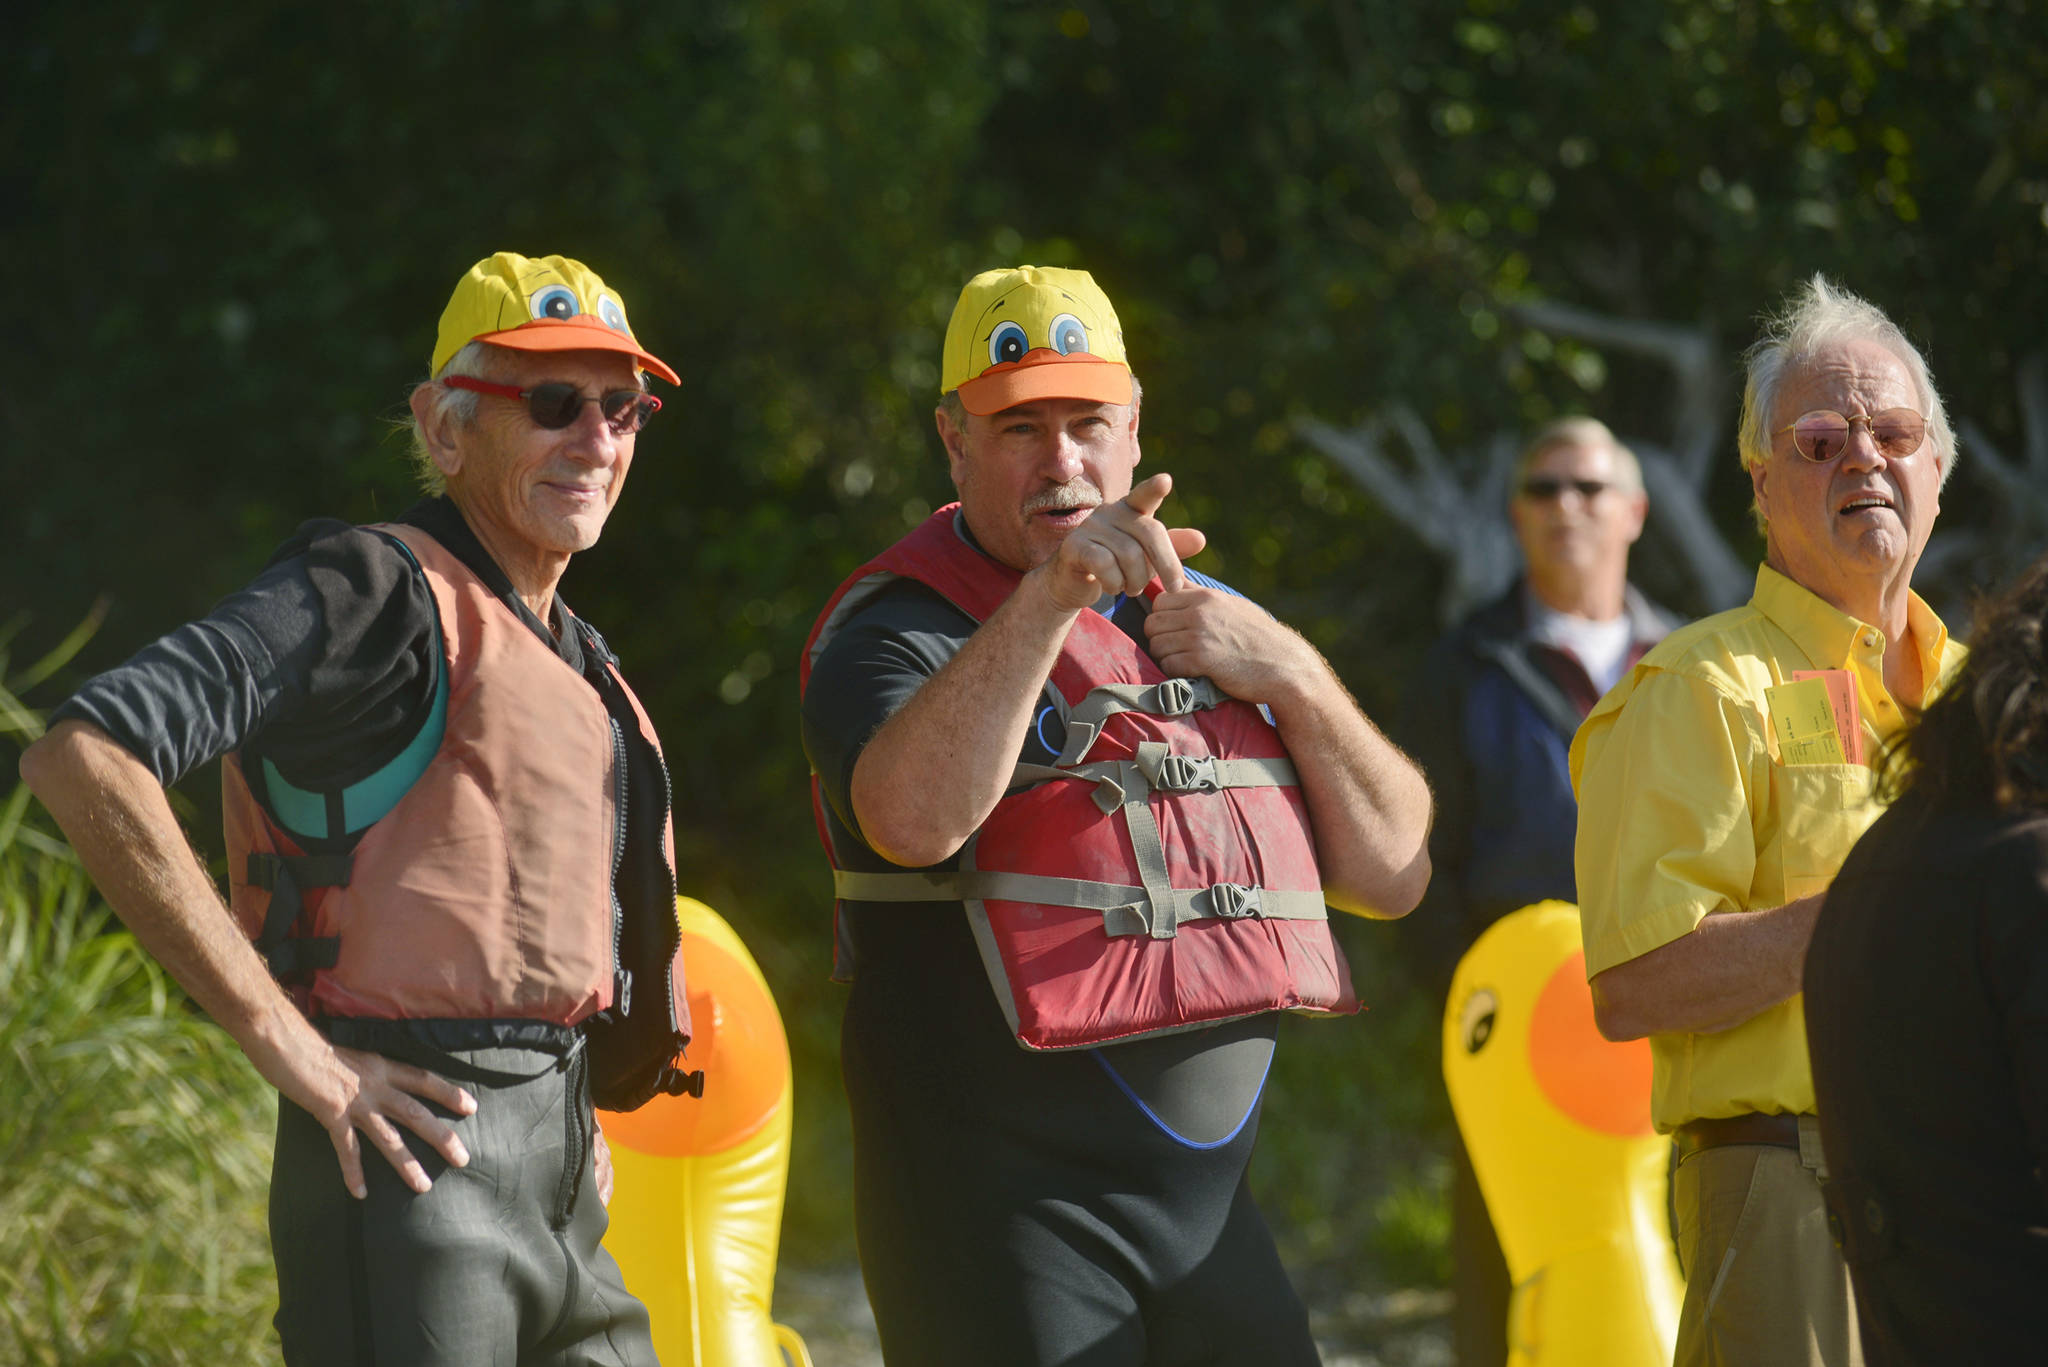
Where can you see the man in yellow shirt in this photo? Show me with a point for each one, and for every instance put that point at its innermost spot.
(1720, 785)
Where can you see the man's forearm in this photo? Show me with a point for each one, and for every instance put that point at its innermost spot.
(937, 768)
(1369, 805)
(1728, 969)
(117, 820)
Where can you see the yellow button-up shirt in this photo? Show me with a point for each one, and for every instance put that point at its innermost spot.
(1685, 811)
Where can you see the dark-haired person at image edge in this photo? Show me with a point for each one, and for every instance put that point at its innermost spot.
(1081, 799)
(452, 921)
(1721, 785)
(1927, 1018)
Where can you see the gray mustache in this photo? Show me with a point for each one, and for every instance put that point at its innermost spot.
(1076, 493)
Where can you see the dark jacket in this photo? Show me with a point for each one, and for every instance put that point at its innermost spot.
(1490, 719)
(1927, 1020)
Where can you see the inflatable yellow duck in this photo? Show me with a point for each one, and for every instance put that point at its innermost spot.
(697, 1193)
(1557, 1120)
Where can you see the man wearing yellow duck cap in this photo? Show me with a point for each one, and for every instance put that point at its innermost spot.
(1082, 799)
(451, 922)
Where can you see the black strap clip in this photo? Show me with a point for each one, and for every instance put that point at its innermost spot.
(673, 1081)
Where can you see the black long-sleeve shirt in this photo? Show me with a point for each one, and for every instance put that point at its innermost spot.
(324, 661)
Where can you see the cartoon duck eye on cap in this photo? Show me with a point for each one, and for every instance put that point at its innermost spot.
(542, 303)
(1033, 332)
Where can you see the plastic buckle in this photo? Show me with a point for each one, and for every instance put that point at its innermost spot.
(1176, 697)
(1234, 901)
(1187, 774)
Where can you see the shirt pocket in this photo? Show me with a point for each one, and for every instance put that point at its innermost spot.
(1821, 810)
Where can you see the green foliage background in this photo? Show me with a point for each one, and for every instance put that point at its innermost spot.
(135, 1139)
(233, 226)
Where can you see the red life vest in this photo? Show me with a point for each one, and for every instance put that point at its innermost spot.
(1159, 876)
(491, 891)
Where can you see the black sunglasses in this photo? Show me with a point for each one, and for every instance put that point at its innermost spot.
(1545, 487)
(558, 403)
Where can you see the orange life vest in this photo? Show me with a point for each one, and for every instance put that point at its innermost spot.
(1159, 876)
(493, 889)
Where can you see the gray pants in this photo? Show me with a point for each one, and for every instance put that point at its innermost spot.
(499, 1265)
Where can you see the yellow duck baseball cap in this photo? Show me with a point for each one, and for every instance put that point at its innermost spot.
(543, 303)
(1033, 332)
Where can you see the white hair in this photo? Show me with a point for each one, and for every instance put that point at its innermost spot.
(1820, 314)
(477, 359)
(1581, 431)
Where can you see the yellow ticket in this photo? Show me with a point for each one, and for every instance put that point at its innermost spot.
(1803, 719)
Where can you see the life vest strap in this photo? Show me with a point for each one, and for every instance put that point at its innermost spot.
(1125, 909)
(1223, 901)
(283, 876)
(1163, 772)
(1167, 698)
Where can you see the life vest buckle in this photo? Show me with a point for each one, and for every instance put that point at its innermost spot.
(1175, 697)
(1185, 774)
(1234, 901)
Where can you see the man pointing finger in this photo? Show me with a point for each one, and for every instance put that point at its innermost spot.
(1058, 821)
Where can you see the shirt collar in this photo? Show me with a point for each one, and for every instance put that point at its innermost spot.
(1829, 636)
(439, 518)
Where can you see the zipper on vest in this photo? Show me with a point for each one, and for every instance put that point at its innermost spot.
(610, 683)
(622, 981)
(674, 938)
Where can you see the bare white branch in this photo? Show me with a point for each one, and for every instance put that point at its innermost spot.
(1680, 515)
(1699, 413)
(1465, 525)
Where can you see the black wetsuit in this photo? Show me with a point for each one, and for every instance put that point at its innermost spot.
(324, 664)
(1085, 1208)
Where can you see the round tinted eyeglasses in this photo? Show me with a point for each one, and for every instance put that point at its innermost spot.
(558, 403)
(1822, 435)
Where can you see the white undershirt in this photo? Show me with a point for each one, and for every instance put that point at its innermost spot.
(1600, 647)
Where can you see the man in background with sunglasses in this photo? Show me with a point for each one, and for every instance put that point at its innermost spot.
(1720, 786)
(1490, 719)
(448, 831)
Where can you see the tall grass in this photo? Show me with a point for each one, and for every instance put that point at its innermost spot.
(134, 1136)
(134, 1147)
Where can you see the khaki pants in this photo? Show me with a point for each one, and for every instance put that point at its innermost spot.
(1765, 1285)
